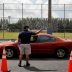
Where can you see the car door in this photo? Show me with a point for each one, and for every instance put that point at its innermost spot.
(43, 44)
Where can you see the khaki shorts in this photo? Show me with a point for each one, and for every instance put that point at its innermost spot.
(25, 49)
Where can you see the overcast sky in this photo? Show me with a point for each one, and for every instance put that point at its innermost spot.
(37, 1)
(35, 12)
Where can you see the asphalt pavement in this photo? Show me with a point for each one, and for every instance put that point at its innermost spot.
(39, 65)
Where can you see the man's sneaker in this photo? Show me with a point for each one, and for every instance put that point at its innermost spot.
(27, 65)
(19, 65)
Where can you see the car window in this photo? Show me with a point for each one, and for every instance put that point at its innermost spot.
(33, 38)
(44, 38)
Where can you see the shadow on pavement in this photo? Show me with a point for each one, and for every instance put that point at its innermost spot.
(31, 68)
(39, 58)
(47, 58)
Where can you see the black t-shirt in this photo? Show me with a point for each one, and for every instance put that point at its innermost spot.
(25, 36)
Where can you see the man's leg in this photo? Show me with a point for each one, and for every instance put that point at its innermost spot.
(27, 52)
(20, 60)
(21, 54)
(27, 60)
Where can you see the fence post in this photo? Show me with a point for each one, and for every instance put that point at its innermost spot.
(3, 21)
(41, 11)
(22, 16)
(64, 21)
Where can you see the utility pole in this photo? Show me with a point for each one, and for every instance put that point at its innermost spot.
(49, 17)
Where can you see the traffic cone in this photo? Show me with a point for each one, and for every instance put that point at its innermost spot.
(4, 67)
(70, 63)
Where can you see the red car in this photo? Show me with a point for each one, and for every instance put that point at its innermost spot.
(41, 44)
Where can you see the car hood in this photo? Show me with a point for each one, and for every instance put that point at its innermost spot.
(6, 43)
(67, 40)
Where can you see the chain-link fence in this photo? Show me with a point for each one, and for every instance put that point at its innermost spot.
(13, 16)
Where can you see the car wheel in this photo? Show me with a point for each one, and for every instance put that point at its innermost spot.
(9, 53)
(60, 53)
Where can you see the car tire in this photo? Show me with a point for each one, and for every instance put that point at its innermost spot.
(61, 53)
(10, 52)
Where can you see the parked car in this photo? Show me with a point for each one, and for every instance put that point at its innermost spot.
(41, 44)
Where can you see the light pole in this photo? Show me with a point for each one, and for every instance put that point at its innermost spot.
(9, 17)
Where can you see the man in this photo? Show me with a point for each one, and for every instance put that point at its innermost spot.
(24, 44)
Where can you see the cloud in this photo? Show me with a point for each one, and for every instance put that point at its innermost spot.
(16, 1)
(70, 15)
(33, 10)
(64, 1)
(55, 1)
(8, 1)
(39, 1)
(25, 1)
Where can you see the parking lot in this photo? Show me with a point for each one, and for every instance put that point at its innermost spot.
(39, 65)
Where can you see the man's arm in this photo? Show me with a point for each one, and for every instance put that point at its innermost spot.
(19, 41)
(34, 33)
(39, 31)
